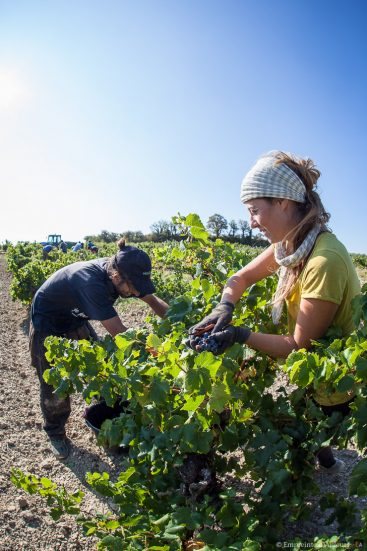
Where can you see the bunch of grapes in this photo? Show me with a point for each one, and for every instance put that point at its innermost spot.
(206, 342)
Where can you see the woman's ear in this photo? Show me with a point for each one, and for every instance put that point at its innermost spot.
(277, 200)
(283, 203)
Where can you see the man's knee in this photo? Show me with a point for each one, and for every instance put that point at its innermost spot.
(54, 405)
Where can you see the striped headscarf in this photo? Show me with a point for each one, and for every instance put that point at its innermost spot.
(265, 179)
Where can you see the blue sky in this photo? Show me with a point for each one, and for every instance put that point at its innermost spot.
(116, 114)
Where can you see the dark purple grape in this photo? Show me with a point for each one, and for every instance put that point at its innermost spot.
(207, 343)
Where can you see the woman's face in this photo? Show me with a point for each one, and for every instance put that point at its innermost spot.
(273, 218)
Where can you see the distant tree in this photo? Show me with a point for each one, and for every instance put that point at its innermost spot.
(164, 230)
(259, 241)
(161, 230)
(128, 235)
(93, 238)
(217, 224)
(107, 236)
(233, 228)
(4, 245)
(139, 236)
(134, 236)
(173, 230)
(244, 228)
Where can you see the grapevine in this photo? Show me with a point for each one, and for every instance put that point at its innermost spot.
(190, 412)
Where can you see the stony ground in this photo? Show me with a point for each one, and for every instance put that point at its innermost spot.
(24, 522)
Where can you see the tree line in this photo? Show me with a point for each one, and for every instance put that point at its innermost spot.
(235, 231)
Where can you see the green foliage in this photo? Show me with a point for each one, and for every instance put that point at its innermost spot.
(358, 480)
(186, 406)
(4, 245)
(339, 365)
(30, 270)
(58, 499)
(359, 260)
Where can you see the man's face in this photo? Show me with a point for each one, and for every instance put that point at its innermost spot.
(124, 287)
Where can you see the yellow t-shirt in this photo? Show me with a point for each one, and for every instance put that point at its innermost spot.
(330, 275)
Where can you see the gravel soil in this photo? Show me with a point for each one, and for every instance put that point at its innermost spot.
(25, 524)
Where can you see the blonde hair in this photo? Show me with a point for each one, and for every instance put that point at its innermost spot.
(311, 212)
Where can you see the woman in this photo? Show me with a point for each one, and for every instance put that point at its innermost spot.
(317, 279)
(63, 305)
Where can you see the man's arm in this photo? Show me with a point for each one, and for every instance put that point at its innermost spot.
(114, 326)
(158, 305)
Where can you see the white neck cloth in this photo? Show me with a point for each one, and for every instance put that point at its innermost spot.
(265, 179)
(290, 261)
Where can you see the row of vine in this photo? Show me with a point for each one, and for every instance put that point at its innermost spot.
(198, 427)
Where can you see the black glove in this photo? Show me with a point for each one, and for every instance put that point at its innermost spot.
(229, 336)
(220, 316)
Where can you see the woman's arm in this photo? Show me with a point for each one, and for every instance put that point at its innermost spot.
(314, 318)
(158, 305)
(259, 268)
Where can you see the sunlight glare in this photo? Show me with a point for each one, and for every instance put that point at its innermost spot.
(12, 91)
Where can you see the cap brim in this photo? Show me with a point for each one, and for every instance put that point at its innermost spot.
(144, 285)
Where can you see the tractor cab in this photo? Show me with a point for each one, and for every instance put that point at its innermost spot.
(54, 239)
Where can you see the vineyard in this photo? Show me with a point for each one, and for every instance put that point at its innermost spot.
(217, 452)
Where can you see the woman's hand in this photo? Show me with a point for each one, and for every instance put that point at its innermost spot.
(229, 336)
(220, 316)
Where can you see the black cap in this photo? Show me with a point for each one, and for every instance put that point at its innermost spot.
(135, 264)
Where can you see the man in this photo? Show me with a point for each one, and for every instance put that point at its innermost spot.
(77, 247)
(62, 307)
(46, 250)
(63, 246)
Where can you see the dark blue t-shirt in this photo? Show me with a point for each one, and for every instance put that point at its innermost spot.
(72, 295)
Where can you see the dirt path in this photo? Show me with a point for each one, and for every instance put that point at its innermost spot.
(24, 521)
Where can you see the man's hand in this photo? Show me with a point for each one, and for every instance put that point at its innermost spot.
(158, 305)
(114, 326)
(220, 316)
(229, 336)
